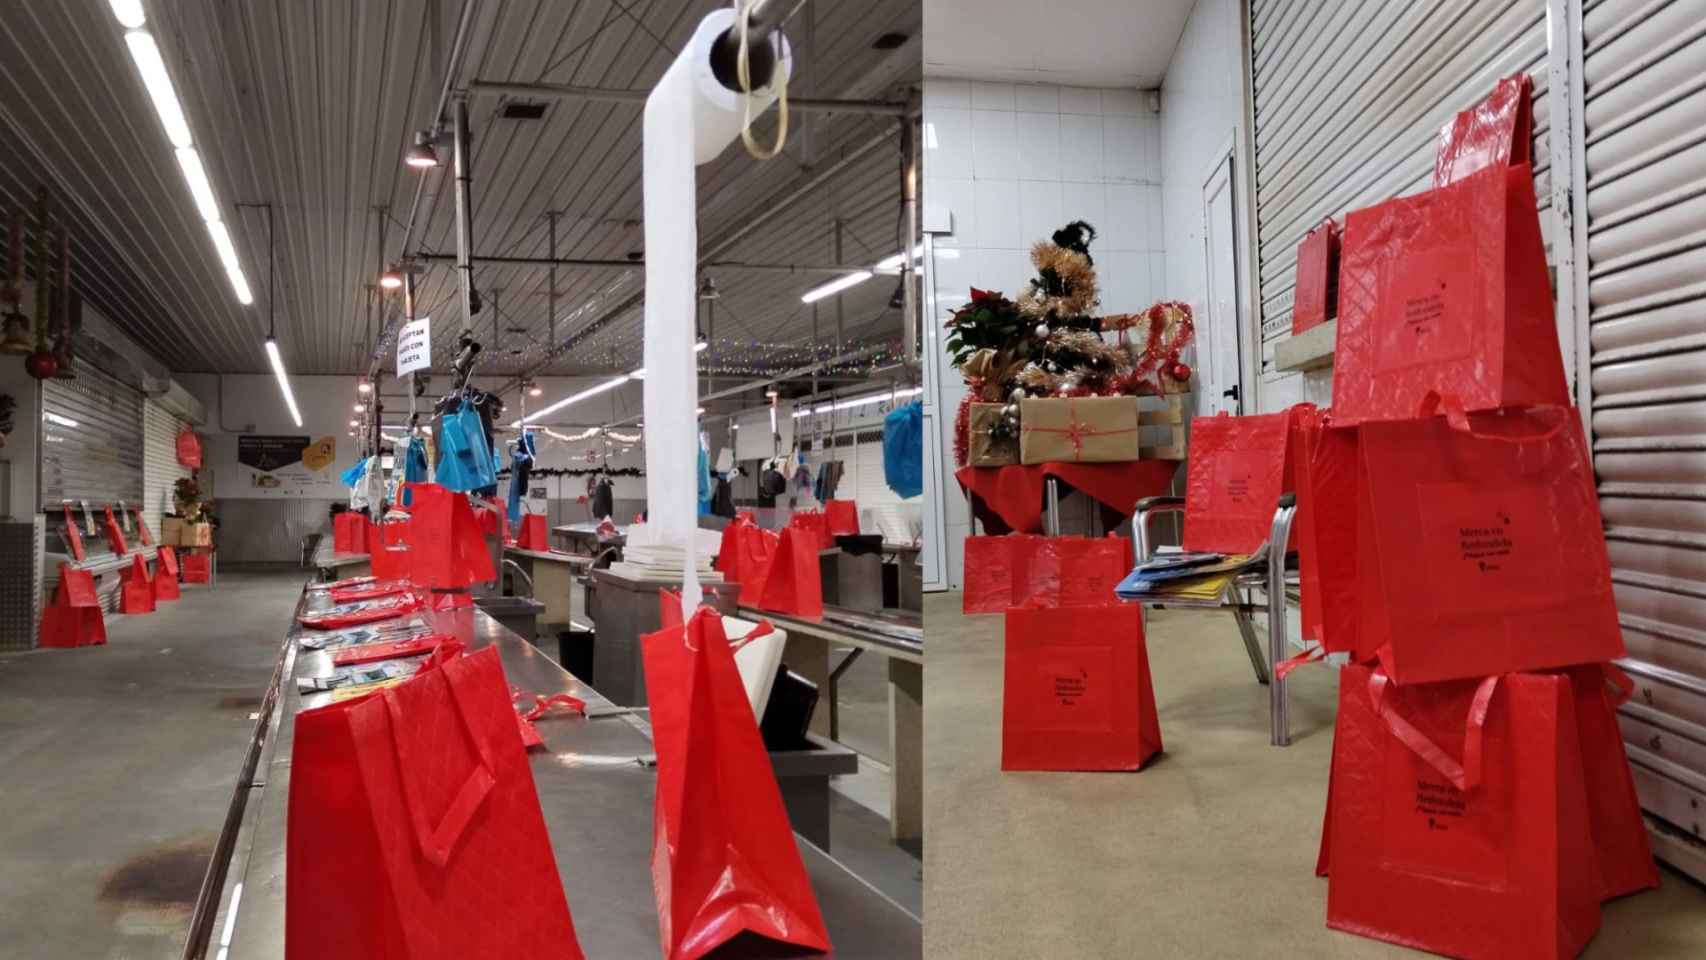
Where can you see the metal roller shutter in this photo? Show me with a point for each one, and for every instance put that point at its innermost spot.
(160, 467)
(1349, 98)
(91, 440)
(1644, 139)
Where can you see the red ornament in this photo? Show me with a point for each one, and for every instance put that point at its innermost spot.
(1180, 372)
(40, 364)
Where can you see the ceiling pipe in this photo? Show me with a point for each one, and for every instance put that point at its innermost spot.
(770, 209)
(558, 91)
(849, 357)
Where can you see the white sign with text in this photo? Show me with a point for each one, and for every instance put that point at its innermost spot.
(414, 347)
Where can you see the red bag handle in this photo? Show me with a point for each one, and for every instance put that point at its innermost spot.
(1312, 655)
(764, 629)
(1436, 402)
(1622, 685)
(1465, 776)
(437, 842)
(542, 704)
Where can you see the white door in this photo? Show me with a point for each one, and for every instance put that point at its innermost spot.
(1220, 384)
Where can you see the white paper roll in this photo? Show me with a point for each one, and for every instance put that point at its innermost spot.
(690, 119)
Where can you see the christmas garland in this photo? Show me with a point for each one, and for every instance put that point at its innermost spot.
(577, 472)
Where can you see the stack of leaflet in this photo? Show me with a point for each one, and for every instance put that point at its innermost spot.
(370, 633)
(643, 559)
(1180, 577)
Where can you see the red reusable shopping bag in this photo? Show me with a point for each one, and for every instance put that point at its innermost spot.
(1236, 472)
(989, 565)
(360, 612)
(1480, 548)
(533, 533)
(165, 574)
(1447, 292)
(74, 619)
(1459, 817)
(349, 532)
(1497, 132)
(1069, 571)
(814, 523)
(142, 530)
(843, 517)
(414, 829)
(388, 650)
(1306, 426)
(745, 555)
(1619, 832)
(114, 534)
(793, 583)
(136, 592)
(1316, 295)
(390, 556)
(724, 859)
(198, 567)
(74, 537)
(368, 590)
(1327, 519)
(447, 550)
(1076, 693)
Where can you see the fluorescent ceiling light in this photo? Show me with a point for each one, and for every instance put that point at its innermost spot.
(222, 243)
(62, 421)
(893, 263)
(701, 345)
(239, 284)
(283, 380)
(575, 398)
(128, 13)
(159, 84)
(835, 286)
(858, 402)
(196, 176)
(639, 374)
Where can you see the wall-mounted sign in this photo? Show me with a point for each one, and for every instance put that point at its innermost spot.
(285, 466)
(414, 347)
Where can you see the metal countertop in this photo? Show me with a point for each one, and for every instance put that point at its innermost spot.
(598, 810)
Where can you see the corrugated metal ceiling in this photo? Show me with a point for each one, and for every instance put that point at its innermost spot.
(309, 105)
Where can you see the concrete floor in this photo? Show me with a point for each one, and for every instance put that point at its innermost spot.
(117, 765)
(1209, 852)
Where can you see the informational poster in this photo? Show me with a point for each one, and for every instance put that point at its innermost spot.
(414, 347)
(285, 466)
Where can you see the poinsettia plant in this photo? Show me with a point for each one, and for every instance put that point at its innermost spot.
(989, 321)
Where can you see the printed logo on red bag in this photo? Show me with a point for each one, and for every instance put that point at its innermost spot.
(1433, 828)
(1489, 548)
(1070, 689)
(1431, 294)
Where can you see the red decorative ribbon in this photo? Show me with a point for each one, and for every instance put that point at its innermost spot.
(1076, 431)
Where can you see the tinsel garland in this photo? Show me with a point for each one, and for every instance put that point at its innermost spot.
(577, 472)
(962, 430)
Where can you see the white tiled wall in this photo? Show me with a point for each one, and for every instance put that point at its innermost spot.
(1012, 163)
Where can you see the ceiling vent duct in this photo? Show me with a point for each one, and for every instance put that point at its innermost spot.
(517, 110)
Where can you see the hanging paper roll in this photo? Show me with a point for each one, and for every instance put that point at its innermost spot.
(690, 118)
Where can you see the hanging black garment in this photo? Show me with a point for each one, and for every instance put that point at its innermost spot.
(723, 499)
(603, 500)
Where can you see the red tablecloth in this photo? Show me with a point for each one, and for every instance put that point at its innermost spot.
(1015, 492)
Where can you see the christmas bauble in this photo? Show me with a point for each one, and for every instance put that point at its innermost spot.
(1180, 372)
(1042, 330)
(1011, 410)
(1017, 394)
(40, 364)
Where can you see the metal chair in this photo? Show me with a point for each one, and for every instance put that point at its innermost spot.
(1261, 573)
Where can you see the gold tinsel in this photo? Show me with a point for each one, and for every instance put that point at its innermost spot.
(1075, 273)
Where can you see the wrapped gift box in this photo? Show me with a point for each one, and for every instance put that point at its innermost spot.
(1078, 430)
(196, 535)
(172, 530)
(983, 450)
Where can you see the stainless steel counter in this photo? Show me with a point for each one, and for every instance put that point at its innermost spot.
(597, 803)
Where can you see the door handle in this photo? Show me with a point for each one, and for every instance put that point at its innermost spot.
(1231, 393)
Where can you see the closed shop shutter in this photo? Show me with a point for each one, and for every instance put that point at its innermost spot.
(1645, 153)
(91, 440)
(160, 467)
(1349, 99)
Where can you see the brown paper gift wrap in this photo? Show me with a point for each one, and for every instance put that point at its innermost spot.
(982, 450)
(1078, 430)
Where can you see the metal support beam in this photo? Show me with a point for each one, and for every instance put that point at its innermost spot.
(908, 263)
(464, 213)
(626, 264)
(558, 91)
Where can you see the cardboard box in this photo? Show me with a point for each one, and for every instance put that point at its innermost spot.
(172, 530)
(1078, 430)
(982, 450)
(196, 535)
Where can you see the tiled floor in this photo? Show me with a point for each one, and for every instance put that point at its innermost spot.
(1209, 852)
